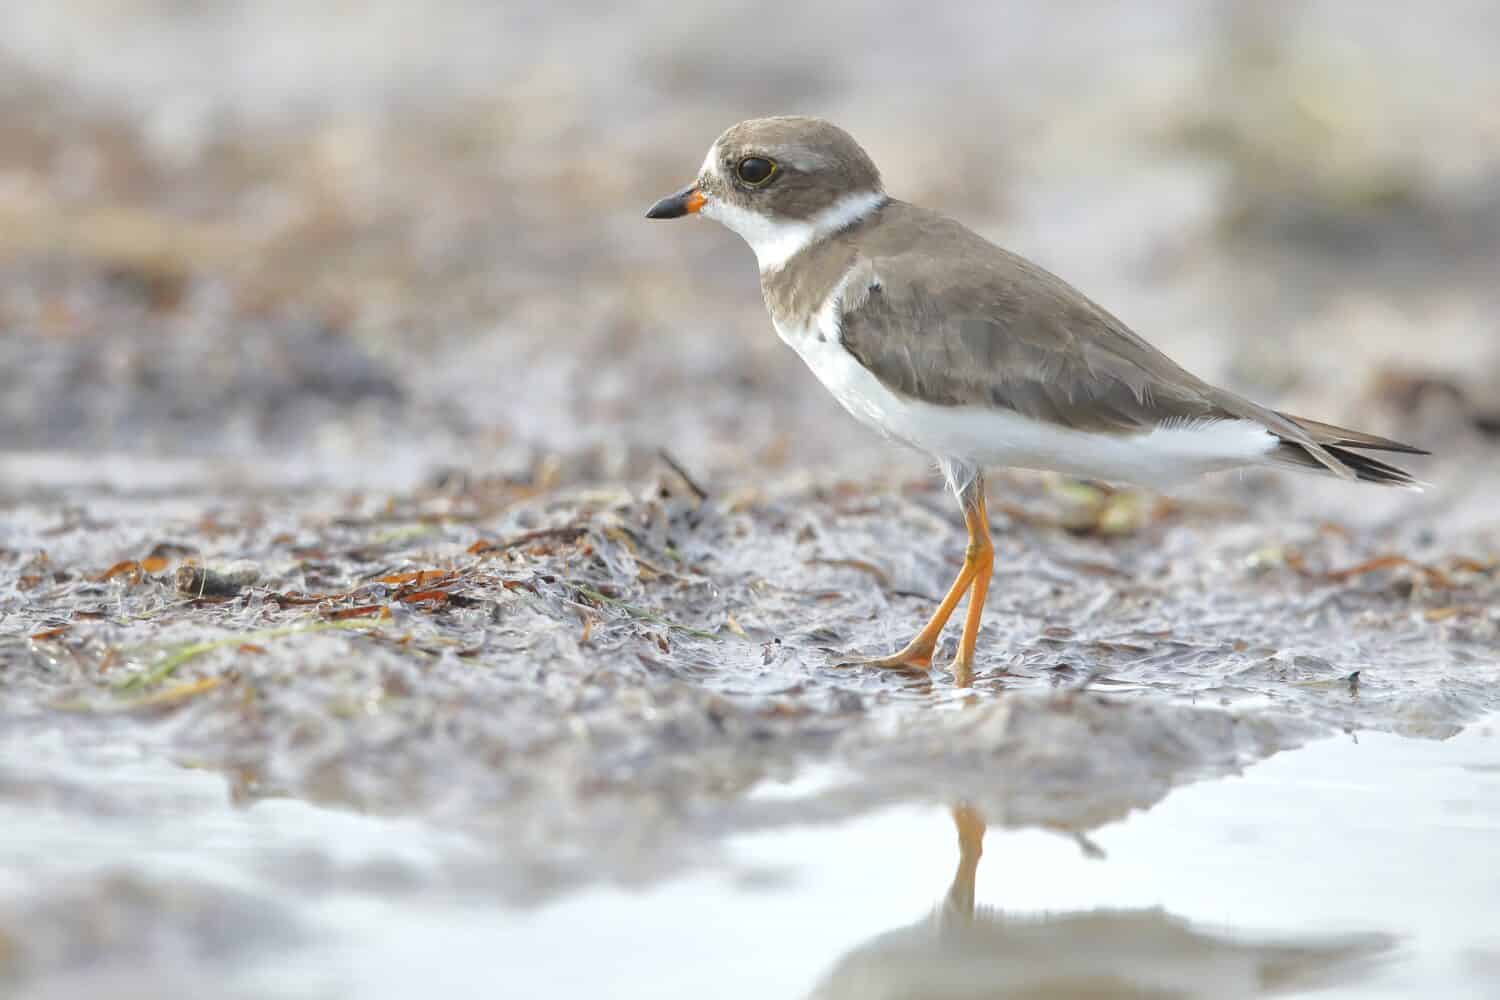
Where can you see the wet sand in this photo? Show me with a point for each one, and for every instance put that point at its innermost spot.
(411, 560)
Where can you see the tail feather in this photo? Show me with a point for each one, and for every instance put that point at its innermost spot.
(1318, 442)
(1331, 434)
(1364, 468)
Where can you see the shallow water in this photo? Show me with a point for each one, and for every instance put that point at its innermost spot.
(1362, 866)
(354, 300)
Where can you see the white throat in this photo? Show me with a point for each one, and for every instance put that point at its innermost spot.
(776, 241)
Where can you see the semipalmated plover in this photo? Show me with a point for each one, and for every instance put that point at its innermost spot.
(939, 339)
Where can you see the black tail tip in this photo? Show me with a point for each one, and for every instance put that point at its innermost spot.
(1372, 470)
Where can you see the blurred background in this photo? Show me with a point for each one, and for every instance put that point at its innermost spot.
(358, 242)
(350, 306)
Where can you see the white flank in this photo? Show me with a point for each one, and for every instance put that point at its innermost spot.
(776, 242)
(985, 437)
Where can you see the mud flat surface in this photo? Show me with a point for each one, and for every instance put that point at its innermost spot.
(419, 573)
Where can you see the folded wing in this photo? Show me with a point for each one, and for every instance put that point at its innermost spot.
(995, 330)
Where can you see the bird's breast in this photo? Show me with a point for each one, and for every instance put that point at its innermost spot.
(815, 338)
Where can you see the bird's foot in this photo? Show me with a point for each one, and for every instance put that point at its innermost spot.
(912, 659)
(963, 671)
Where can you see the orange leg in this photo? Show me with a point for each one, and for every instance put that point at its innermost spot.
(984, 565)
(974, 579)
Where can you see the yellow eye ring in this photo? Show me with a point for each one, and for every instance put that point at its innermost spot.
(756, 171)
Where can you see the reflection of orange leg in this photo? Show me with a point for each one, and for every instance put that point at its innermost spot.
(973, 578)
(970, 846)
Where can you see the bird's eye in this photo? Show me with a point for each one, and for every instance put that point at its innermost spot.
(756, 170)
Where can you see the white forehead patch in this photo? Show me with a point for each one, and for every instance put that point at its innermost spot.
(710, 162)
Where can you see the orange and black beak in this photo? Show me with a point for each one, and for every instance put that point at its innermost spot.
(675, 206)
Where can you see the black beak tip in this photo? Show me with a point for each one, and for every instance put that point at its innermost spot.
(675, 206)
(668, 208)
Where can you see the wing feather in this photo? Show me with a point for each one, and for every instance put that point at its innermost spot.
(940, 314)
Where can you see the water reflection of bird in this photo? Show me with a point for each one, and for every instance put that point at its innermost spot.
(964, 952)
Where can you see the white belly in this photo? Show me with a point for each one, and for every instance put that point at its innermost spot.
(994, 437)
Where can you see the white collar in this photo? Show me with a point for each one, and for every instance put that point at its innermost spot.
(776, 242)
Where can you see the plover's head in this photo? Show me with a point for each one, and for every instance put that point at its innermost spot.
(782, 184)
